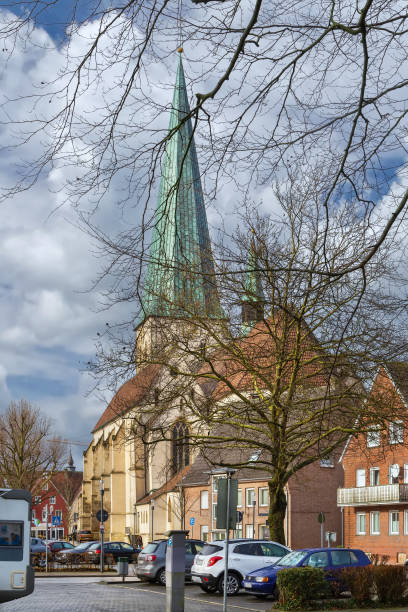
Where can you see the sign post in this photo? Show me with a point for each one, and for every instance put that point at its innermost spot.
(192, 521)
(227, 499)
(321, 518)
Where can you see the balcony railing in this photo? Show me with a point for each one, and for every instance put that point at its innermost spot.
(382, 494)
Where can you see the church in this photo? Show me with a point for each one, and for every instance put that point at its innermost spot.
(152, 484)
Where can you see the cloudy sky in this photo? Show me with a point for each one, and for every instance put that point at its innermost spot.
(50, 313)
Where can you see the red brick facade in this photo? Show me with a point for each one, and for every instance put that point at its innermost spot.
(375, 498)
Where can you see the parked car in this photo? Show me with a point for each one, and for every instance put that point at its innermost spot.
(262, 582)
(58, 545)
(115, 549)
(37, 545)
(85, 536)
(244, 555)
(73, 555)
(151, 562)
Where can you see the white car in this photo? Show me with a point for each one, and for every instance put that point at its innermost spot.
(244, 556)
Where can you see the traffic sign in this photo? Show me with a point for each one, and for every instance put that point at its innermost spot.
(192, 521)
(102, 516)
(239, 516)
(56, 520)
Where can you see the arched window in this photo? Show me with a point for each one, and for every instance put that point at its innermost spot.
(180, 446)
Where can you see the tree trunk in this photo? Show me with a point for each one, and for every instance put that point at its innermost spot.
(277, 511)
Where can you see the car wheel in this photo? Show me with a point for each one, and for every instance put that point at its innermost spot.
(161, 576)
(207, 588)
(233, 584)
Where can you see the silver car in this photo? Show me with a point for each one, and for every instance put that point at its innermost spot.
(151, 562)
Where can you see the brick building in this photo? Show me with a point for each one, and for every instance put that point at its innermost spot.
(54, 497)
(375, 494)
(309, 492)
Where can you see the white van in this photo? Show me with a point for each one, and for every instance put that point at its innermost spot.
(16, 573)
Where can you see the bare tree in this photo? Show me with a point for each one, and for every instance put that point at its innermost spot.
(27, 454)
(288, 381)
(275, 85)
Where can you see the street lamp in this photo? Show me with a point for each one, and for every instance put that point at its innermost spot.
(152, 507)
(102, 491)
(253, 519)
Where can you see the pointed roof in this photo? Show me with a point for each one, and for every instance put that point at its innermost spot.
(180, 274)
(253, 291)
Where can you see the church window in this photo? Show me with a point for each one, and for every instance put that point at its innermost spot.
(180, 447)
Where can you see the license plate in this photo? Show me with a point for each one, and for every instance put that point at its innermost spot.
(198, 562)
(247, 585)
(196, 579)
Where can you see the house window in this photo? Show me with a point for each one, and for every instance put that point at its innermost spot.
(45, 486)
(374, 477)
(238, 532)
(394, 523)
(396, 432)
(180, 448)
(250, 497)
(52, 500)
(360, 478)
(406, 473)
(263, 532)
(219, 535)
(393, 473)
(406, 522)
(239, 502)
(249, 531)
(264, 496)
(44, 514)
(255, 456)
(373, 436)
(215, 483)
(204, 533)
(361, 523)
(204, 500)
(375, 523)
(33, 514)
(37, 499)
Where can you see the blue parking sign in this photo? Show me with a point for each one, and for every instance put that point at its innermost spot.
(192, 521)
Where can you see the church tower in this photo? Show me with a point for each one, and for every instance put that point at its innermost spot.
(180, 281)
(253, 299)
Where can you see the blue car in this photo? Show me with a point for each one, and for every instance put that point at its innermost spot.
(262, 582)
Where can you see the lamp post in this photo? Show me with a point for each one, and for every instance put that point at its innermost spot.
(253, 519)
(102, 491)
(152, 507)
(134, 524)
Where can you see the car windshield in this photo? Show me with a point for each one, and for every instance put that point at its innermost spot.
(82, 546)
(210, 549)
(292, 558)
(150, 548)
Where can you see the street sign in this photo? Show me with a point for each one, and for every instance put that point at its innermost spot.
(102, 516)
(222, 503)
(192, 521)
(56, 520)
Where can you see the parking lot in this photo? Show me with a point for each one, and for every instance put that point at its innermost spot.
(78, 594)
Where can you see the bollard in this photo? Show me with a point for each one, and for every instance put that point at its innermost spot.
(122, 567)
(175, 570)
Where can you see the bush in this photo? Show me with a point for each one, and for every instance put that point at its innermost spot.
(359, 581)
(391, 582)
(299, 585)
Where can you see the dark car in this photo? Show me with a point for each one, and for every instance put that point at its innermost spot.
(113, 549)
(57, 546)
(262, 582)
(85, 536)
(151, 563)
(73, 555)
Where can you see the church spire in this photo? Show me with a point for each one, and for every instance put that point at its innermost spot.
(180, 273)
(253, 300)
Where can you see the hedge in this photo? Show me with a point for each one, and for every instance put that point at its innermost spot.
(299, 585)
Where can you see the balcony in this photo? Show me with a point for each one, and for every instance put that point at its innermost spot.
(365, 496)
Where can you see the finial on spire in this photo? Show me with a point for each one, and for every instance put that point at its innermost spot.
(180, 49)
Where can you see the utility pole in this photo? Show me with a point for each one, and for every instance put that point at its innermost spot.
(102, 491)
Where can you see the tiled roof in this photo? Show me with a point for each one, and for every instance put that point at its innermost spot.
(398, 370)
(199, 472)
(132, 392)
(67, 483)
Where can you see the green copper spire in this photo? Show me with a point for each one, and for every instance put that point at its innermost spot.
(253, 300)
(180, 274)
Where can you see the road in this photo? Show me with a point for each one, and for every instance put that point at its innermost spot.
(90, 594)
